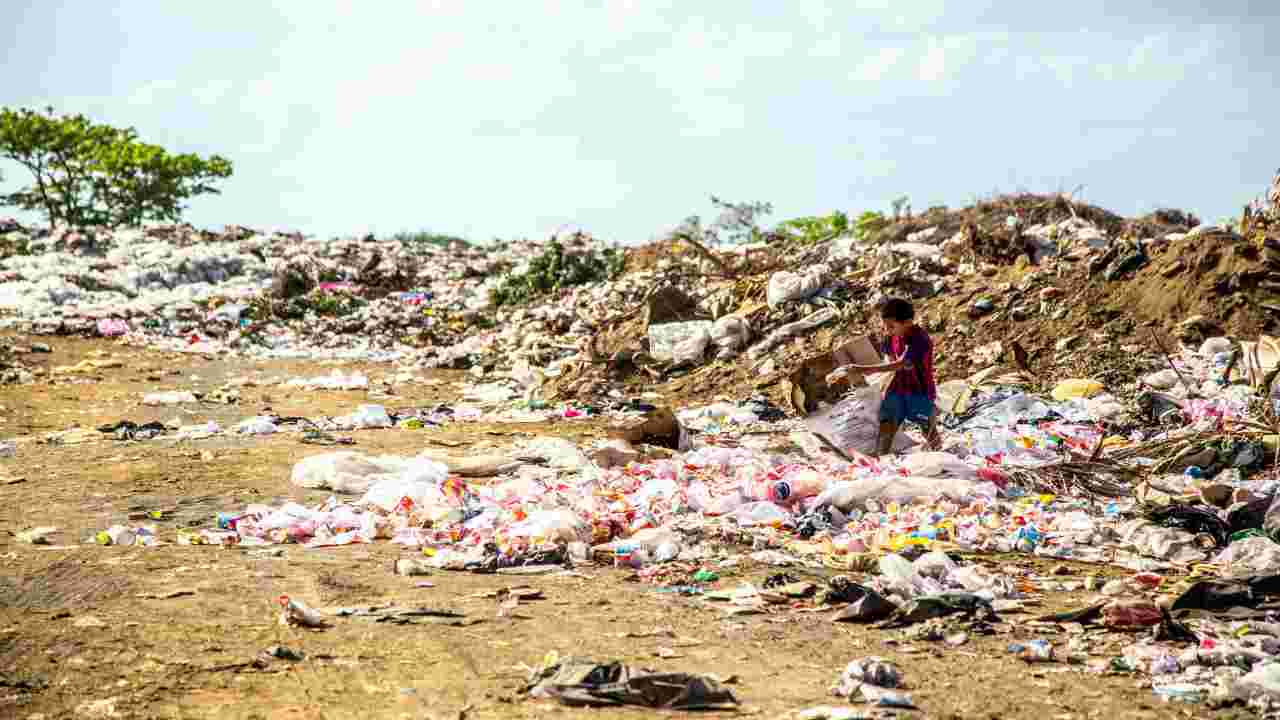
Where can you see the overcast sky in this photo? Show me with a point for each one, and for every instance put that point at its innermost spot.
(514, 118)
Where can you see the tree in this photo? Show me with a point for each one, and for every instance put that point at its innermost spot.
(88, 174)
(137, 182)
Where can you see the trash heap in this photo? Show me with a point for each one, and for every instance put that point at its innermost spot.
(568, 316)
(1170, 492)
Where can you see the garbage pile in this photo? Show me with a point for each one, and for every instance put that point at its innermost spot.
(575, 328)
(1179, 479)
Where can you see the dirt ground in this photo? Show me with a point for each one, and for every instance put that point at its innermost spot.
(171, 632)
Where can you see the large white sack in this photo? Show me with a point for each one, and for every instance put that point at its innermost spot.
(1215, 345)
(730, 335)
(785, 285)
(350, 472)
(852, 494)
(418, 479)
(854, 422)
(937, 465)
(691, 350)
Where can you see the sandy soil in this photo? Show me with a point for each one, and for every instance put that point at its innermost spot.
(167, 632)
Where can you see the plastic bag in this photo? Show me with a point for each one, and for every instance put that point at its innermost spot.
(690, 350)
(937, 464)
(333, 381)
(785, 286)
(350, 472)
(853, 494)
(1215, 345)
(730, 336)
(547, 526)
(1076, 388)
(387, 494)
(954, 397)
(260, 425)
(1154, 541)
(172, 397)
(935, 565)
(759, 513)
(854, 423)
(1162, 380)
(898, 574)
(1250, 556)
(366, 416)
(663, 338)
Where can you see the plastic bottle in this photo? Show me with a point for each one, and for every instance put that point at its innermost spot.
(1034, 651)
(296, 612)
(797, 486)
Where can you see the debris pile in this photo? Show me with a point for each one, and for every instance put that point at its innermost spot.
(1127, 457)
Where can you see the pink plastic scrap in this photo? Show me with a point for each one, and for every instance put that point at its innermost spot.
(111, 327)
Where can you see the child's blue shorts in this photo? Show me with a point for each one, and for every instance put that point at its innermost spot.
(897, 408)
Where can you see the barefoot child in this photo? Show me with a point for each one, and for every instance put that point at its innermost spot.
(912, 393)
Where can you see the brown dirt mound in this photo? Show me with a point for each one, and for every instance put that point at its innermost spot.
(1229, 284)
(989, 216)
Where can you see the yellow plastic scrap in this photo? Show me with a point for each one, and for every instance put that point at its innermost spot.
(1076, 388)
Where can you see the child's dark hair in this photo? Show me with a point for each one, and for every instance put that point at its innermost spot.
(897, 309)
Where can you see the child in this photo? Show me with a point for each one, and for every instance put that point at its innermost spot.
(912, 393)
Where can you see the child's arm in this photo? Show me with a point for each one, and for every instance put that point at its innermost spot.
(893, 366)
(843, 371)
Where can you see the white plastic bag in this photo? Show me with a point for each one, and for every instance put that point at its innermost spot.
(854, 422)
(1147, 538)
(936, 465)
(259, 425)
(558, 526)
(1162, 380)
(730, 335)
(345, 472)
(691, 350)
(785, 286)
(1215, 345)
(663, 338)
(366, 416)
(388, 493)
(172, 397)
(1250, 556)
(853, 494)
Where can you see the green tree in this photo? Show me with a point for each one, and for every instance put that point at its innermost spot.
(135, 182)
(88, 174)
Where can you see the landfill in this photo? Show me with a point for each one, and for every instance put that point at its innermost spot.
(1103, 505)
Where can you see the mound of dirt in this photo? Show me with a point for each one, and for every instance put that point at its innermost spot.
(1090, 310)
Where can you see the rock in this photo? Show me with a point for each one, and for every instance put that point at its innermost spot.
(40, 348)
(658, 427)
(615, 453)
(1217, 495)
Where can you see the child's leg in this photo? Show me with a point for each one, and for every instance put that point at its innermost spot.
(884, 440)
(931, 436)
(893, 409)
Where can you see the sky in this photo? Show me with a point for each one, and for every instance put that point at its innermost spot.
(520, 118)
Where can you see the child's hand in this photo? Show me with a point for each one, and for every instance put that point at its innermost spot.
(838, 376)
